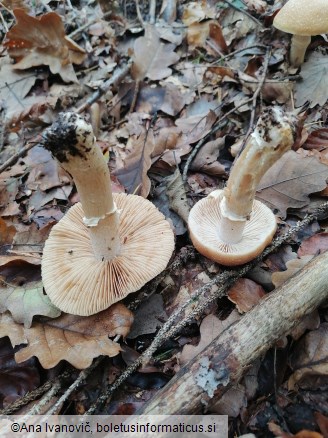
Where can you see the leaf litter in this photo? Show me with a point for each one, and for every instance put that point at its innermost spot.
(199, 64)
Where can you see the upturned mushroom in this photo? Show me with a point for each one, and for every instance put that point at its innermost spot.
(303, 19)
(107, 246)
(229, 226)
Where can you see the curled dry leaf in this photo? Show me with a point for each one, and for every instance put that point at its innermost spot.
(152, 57)
(78, 340)
(245, 293)
(24, 302)
(290, 181)
(42, 41)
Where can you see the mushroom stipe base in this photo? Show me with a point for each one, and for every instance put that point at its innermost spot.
(203, 223)
(79, 284)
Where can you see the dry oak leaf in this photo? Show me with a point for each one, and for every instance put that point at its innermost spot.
(76, 339)
(314, 86)
(24, 302)
(152, 57)
(290, 181)
(42, 41)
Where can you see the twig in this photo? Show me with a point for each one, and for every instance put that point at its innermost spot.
(244, 12)
(196, 149)
(88, 24)
(82, 376)
(152, 11)
(139, 15)
(33, 395)
(113, 81)
(226, 279)
(254, 100)
(117, 77)
(12, 160)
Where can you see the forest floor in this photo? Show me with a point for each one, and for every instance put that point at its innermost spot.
(173, 91)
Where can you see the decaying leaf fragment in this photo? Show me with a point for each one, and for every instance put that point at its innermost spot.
(42, 41)
(24, 302)
(76, 339)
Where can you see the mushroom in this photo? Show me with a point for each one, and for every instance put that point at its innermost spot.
(229, 226)
(303, 19)
(107, 246)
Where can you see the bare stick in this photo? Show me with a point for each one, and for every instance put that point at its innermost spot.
(222, 363)
(82, 376)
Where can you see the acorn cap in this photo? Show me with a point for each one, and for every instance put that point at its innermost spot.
(203, 223)
(303, 17)
(79, 284)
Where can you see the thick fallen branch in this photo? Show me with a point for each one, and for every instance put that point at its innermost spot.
(221, 364)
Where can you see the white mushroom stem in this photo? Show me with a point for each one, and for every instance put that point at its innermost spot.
(71, 141)
(272, 137)
(298, 47)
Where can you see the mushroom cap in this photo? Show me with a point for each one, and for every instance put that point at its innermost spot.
(303, 17)
(79, 284)
(203, 223)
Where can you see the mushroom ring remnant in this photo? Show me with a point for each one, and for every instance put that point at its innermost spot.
(203, 223)
(78, 283)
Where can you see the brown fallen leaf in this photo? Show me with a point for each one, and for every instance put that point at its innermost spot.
(245, 293)
(207, 158)
(293, 266)
(309, 360)
(42, 41)
(313, 87)
(317, 139)
(24, 302)
(152, 57)
(290, 181)
(314, 245)
(210, 328)
(207, 34)
(78, 340)
(133, 174)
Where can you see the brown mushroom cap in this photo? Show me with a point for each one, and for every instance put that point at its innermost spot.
(203, 223)
(303, 17)
(77, 283)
